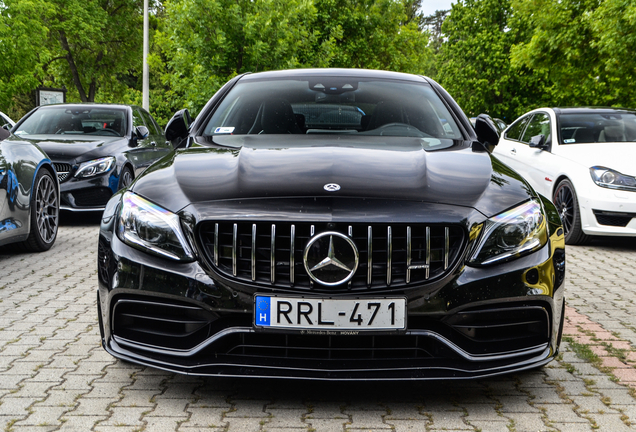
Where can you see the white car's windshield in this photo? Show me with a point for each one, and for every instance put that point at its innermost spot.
(601, 127)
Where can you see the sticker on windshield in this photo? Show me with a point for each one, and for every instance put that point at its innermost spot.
(569, 141)
(224, 130)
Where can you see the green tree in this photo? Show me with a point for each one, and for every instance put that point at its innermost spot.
(23, 53)
(90, 46)
(96, 43)
(562, 46)
(207, 42)
(374, 34)
(474, 61)
(614, 25)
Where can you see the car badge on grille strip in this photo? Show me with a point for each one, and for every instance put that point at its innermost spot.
(331, 258)
(331, 187)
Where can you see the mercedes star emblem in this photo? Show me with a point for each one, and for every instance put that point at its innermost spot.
(332, 187)
(331, 258)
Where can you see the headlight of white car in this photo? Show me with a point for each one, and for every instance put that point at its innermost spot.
(511, 234)
(612, 179)
(94, 167)
(151, 228)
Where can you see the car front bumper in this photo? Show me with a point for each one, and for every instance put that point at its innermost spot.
(90, 194)
(475, 322)
(608, 212)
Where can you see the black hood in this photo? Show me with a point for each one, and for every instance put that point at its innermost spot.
(388, 168)
(76, 148)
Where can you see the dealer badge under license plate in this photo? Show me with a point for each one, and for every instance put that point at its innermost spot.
(329, 314)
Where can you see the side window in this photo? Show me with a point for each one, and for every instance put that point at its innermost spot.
(515, 131)
(539, 125)
(137, 120)
(150, 124)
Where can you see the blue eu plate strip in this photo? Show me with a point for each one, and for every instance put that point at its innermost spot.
(262, 313)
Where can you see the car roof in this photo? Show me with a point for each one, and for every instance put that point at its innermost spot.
(86, 105)
(334, 72)
(590, 110)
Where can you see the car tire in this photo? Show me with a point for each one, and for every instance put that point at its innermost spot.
(126, 178)
(567, 204)
(44, 213)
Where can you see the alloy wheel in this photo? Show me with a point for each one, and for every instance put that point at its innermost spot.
(564, 202)
(46, 208)
(126, 179)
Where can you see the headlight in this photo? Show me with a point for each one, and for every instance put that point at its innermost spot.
(511, 234)
(150, 228)
(94, 167)
(609, 178)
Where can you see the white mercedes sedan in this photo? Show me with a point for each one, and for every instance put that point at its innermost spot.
(584, 160)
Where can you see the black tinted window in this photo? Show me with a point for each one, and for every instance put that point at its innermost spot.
(515, 131)
(597, 127)
(539, 125)
(150, 124)
(333, 105)
(64, 120)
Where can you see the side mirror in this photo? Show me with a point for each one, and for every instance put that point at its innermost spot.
(537, 141)
(178, 126)
(142, 132)
(486, 131)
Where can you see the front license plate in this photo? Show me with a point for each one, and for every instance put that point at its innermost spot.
(321, 313)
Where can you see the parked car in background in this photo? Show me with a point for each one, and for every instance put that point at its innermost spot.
(583, 159)
(5, 121)
(331, 224)
(96, 149)
(29, 196)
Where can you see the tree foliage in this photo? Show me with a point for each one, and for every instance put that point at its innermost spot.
(474, 63)
(500, 57)
(205, 43)
(560, 47)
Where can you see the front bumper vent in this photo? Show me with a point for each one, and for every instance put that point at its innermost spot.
(389, 255)
(91, 197)
(170, 326)
(63, 171)
(617, 219)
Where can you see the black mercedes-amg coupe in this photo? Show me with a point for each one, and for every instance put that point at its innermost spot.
(331, 224)
(96, 149)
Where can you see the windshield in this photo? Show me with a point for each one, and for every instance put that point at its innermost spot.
(333, 105)
(64, 120)
(597, 127)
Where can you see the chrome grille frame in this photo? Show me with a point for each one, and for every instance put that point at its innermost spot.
(391, 255)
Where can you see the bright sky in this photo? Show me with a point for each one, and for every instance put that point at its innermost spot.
(430, 6)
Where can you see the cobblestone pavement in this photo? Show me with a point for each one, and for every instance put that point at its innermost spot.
(54, 375)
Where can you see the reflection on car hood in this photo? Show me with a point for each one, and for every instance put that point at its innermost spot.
(617, 156)
(79, 147)
(389, 168)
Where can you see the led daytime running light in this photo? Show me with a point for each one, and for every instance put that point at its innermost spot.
(140, 219)
(95, 167)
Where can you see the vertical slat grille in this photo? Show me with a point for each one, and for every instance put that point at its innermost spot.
(292, 251)
(389, 255)
(369, 256)
(273, 254)
(253, 252)
(234, 248)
